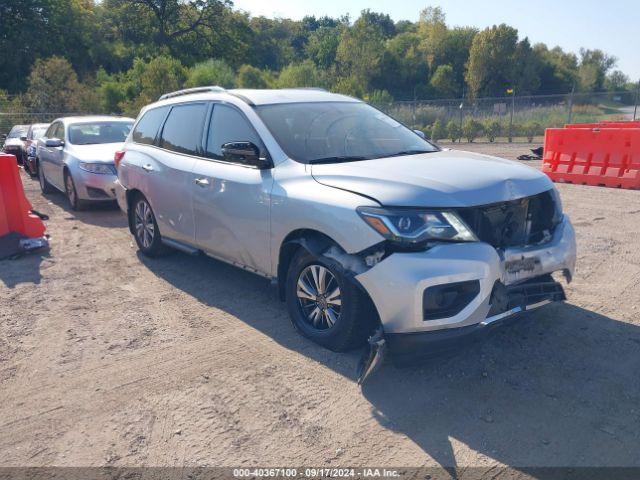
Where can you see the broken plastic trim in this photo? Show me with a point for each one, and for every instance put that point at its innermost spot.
(373, 357)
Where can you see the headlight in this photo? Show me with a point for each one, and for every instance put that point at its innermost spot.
(100, 168)
(410, 227)
(557, 203)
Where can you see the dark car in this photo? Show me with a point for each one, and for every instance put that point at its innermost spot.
(14, 142)
(36, 131)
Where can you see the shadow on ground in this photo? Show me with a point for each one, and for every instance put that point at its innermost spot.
(557, 388)
(23, 269)
(101, 214)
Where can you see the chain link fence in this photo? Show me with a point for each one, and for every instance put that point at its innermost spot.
(509, 118)
(515, 118)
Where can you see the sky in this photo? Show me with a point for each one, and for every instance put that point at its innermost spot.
(612, 25)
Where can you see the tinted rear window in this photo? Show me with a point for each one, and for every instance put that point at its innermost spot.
(148, 126)
(182, 132)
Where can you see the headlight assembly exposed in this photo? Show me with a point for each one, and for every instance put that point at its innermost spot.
(557, 203)
(410, 226)
(99, 168)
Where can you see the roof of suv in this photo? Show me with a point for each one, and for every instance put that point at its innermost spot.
(290, 95)
(258, 96)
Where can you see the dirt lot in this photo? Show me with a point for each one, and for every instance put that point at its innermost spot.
(107, 358)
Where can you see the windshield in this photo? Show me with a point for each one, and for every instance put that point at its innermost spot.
(338, 131)
(37, 132)
(18, 131)
(98, 132)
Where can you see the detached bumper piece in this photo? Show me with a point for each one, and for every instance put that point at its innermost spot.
(506, 302)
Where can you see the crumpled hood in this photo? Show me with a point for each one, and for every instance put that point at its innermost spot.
(103, 152)
(439, 179)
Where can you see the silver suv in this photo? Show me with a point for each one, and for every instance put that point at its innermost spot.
(365, 227)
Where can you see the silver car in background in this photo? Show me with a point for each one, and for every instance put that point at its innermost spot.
(76, 157)
(369, 231)
(14, 142)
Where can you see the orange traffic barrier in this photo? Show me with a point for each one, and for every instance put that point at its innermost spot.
(605, 124)
(598, 156)
(15, 209)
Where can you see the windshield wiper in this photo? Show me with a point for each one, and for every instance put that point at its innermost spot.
(409, 152)
(338, 159)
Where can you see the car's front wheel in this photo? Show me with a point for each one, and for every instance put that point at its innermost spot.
(324, 305)
(72, 193)
(45, 186)
(145, 228)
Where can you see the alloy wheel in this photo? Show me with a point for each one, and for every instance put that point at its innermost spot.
(71, 189)
(319, 296)
(143, 223)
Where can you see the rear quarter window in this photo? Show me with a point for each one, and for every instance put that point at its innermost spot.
(147, 128)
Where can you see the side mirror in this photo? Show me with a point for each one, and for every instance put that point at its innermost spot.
(23, 138)
(420, 133)
(247, 153)
(3, 136)
(54, 142)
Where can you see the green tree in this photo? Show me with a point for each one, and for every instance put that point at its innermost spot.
(453, 130)
(443, 81)
(251, 77)
(491, 61)
(211, 72)
(438, 130)
(146, 81)
(432, 30)
(492, 129)
(531, 129)
(594, 65)
(54, 87)
(359, 51)
(616, 81)
(304, 74)
(322, 46)
(471, 129)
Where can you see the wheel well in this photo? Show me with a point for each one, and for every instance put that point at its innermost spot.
(312, 240)
(130, 196)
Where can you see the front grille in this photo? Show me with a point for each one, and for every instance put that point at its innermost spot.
(535, 290)
(516, 223)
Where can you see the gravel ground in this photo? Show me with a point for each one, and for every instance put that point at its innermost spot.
(108, 358)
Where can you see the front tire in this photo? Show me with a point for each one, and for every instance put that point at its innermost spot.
(324, 305)
(72, 193)
(45, 186)
(145, 228)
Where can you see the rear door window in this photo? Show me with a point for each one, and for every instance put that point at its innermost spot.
(182, 131)
(148, 126)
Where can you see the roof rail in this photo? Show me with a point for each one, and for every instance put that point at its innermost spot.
(189, 91)
(319, 89)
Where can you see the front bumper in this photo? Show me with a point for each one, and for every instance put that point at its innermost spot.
(95, 187)
(396, 284)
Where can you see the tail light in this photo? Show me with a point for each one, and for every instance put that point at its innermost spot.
(118, 157)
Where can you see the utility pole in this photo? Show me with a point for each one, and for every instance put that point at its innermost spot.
(635, 103)
(461, 107)
(513, 107)
(573, 88)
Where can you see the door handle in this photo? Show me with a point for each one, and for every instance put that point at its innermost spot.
(147, 168)
(202, 182)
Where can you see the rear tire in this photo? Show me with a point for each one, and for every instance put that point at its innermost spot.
(332, 312)
(45, 186)
(145, 228)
